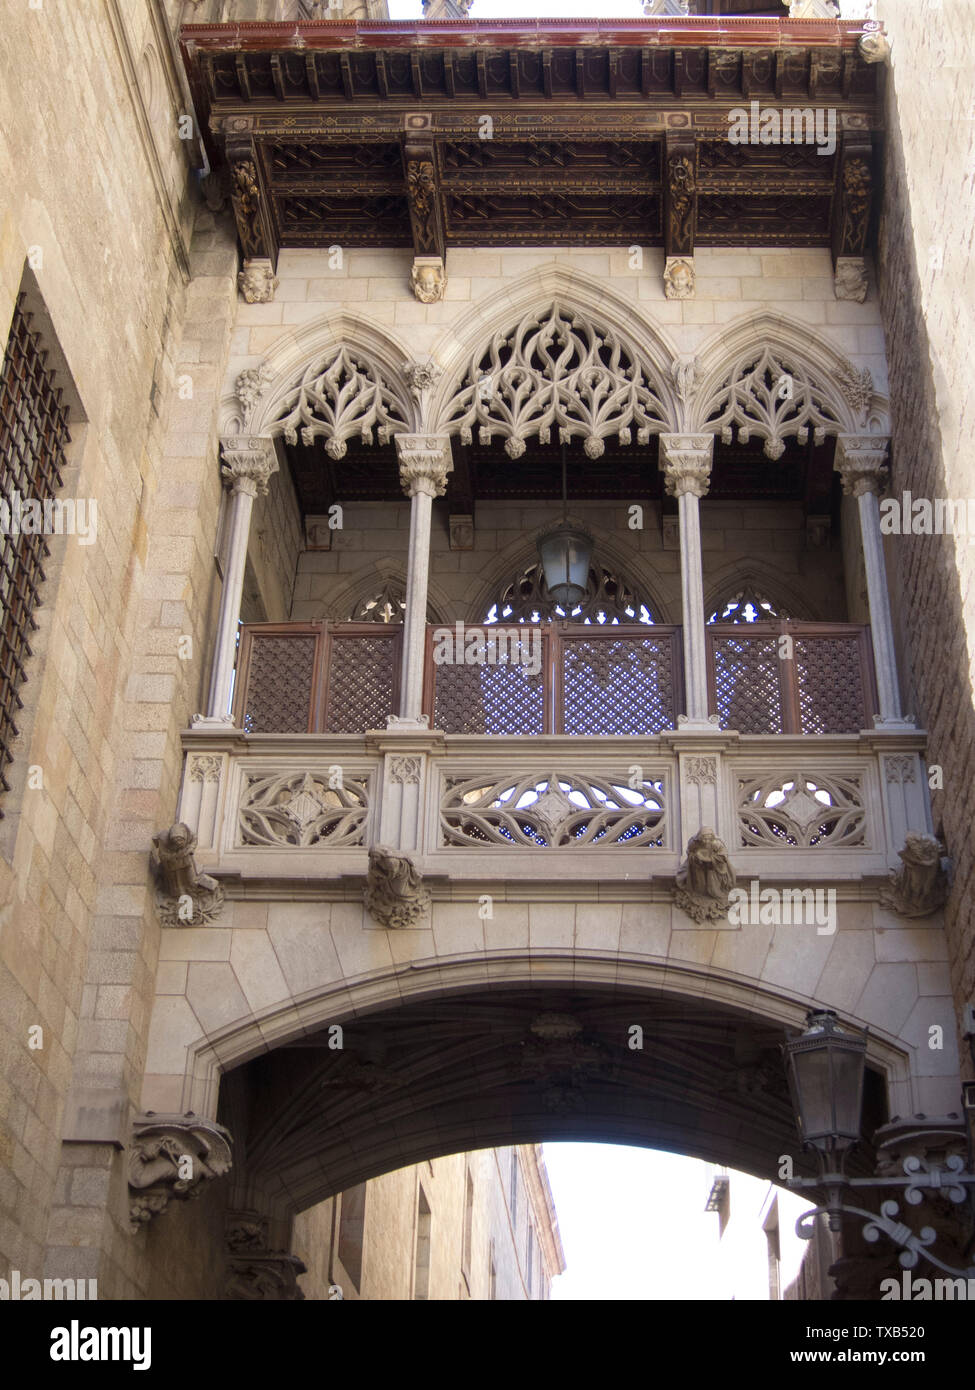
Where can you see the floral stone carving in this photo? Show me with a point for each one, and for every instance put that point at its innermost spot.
(184, 896)
(920, 886)
(394, 893)
(706, 880)
(171, 1157)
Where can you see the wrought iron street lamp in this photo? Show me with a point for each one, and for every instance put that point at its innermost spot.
(825, 1067)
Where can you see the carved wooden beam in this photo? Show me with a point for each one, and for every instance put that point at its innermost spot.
(426, 207)
(680, 214)
(255, 227)
(852, 203)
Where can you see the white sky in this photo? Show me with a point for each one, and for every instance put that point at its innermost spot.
(633, 1223)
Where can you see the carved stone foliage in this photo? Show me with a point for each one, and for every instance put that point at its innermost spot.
(303, 810)
(251, 384)
(340, 396)
(404, 769)
(558, 372)
(563, 810)
(255, 1273)
(421, 187)
(610, 598)
(857, 388)
(706, 879)
(920, 886)
(682, 188)
(771, 396)
(394, 893)
(422, 376)
(184, 896)
(702, 771)
(171, 1157)
(800, 810)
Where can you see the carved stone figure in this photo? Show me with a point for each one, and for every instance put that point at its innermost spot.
(394, 894)
(679, 277)
(255, 1273)
(920, 886)
(184, 896)
(428, 279)
(873, 47)
(170, 1158)
(257, 281)
(705, 881)
(850, 279)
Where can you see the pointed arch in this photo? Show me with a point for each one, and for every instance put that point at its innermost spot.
(770, 376)
(334, 378)
(374, 577)
(757, 576)
(565, 357)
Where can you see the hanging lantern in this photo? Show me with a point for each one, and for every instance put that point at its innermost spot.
(566, 555)
(825, 1067)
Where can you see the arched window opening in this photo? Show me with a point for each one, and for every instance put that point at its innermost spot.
(609, 600)
(385, 605)
(748, 605)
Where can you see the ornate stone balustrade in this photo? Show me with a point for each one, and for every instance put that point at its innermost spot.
(299, 813)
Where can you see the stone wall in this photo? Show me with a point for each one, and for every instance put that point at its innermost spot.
(927, 294)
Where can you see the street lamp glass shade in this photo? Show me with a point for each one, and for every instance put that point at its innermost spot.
(566, 554)
(825, 1067)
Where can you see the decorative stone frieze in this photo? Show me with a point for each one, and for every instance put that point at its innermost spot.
(705, 881)
(679, 278)
(257, 281)
(394, 894)
(920, 886)
(171, 1158)
(428, 279)
(184, 896)
(404, 769)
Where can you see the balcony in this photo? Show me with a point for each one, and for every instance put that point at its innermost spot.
(560, 678)
(570, 744)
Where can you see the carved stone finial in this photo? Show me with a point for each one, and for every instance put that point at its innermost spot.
(920, 886)
(257, 281)
(857, 387)
(421, 376)
(850, 278)
(394, 893)
(170, 1159)
(679, 277)
(706, 880)
(428, 279)
(684, 370)
(184, 896)
(250, 385)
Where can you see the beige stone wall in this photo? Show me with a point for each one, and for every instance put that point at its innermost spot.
(390, 1232)
(927, 280)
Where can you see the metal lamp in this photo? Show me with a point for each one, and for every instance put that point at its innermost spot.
(825, 1066)
(565, 552)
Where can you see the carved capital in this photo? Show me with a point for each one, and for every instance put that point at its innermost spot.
(686, 463)
(184, 896)
(861, 462)
(424, 462)
(705, 880)
(394, 893)
(248, 464)
(920, 886)
(171, 1157)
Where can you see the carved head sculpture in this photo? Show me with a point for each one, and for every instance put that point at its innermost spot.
(920, 850)
(679, 279)
(428, 281)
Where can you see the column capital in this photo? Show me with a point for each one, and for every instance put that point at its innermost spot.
(861, 462)
(424, 462)
(248, 462)
(685, 460)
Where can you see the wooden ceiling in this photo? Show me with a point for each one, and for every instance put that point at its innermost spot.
(509, 133)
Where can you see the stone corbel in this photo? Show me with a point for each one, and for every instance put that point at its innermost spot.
(920, 886)
(171, 1158)
(394, 894)
(256, 1274)
(705, 881)
(184, 896)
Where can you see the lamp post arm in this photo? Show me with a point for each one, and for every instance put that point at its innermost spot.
(912, 1246)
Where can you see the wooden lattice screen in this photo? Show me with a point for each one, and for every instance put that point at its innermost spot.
(33, 434)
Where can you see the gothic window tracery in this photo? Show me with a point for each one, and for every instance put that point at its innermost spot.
(746, 604)
(609, 600)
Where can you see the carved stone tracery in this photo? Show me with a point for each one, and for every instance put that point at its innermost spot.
(562, 811)
(768, 394)
(340, 396)
(303, 810)
(558, 374)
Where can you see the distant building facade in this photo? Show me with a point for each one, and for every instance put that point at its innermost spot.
(760, 1255)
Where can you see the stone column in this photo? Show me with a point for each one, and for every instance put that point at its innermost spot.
(860, 462)
(686, 465)
(424, 462)
(247, 466)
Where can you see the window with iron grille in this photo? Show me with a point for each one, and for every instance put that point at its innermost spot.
(33, 434)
